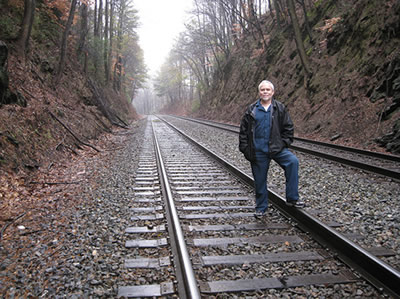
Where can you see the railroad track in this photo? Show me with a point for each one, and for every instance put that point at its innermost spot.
(194, 231)
(379, 163)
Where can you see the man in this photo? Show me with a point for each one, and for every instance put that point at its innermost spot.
(266, 131)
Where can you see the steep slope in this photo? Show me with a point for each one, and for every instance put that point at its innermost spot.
(354, 93)
(50, 122)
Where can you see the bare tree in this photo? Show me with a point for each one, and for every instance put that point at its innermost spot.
(117, 83)
(306, 22)
(83, 32)
(278, 11)
(63, 51)
(248, 21)
(95, 26)
(298, 38)
(26, 27)
(105, 48)
(83, 28)
(100, 19)
(110, 48)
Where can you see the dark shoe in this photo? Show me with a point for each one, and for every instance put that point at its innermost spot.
(259, 214)
(295, 203)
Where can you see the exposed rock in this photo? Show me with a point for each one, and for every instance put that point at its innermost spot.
(6, 96)
(3, 73)
(355, 88)
(46, 67)
(391, 141)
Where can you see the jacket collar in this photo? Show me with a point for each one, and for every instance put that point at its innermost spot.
(253, 107)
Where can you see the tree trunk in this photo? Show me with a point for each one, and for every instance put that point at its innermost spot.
(108, 74)
(235, 25)
(95, 26)
(97, 54)
(118, 66)
(105, 53)
(306, 22)
(4, 80)
(118, 74)
(270, 9)
(278, 13)
(26, 27)
(85, 64)
(251, 12)
(64, 42)
(299, 41)
(100, 19)
(224, 28)
(83, 30)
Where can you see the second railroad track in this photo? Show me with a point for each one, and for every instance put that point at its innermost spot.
(193, 229)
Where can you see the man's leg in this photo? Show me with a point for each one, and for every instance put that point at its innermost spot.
(290, 164)
(260, 172)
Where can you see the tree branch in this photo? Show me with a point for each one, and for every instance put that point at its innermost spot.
(72, 133)
(55, 183)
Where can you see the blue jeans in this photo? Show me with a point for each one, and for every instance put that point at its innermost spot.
(290, 164)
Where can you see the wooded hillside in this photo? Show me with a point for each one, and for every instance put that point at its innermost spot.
(68, 73)
(70, 69)
(335, 64)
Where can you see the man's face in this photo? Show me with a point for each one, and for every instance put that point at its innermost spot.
(266, 92)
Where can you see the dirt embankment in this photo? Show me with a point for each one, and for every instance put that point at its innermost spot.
(51, 120)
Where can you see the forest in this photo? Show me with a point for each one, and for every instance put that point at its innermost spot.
(335, 65)
(75, 91)
(71, 70)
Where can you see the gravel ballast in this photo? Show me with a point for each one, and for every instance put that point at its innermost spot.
(366, 203)
(72, 242)
(76, 249)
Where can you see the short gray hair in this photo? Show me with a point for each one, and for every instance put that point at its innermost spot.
(266, 82)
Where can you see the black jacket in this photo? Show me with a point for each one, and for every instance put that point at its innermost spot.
(281, 130)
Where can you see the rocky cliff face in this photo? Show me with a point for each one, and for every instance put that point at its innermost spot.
(354, 91)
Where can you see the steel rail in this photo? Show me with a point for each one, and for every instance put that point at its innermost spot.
(235, 129)
(377, 272)
(352, 149)
(190, 286)
(360, 165)
(232, 128)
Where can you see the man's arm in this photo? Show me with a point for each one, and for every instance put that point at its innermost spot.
(243, 136)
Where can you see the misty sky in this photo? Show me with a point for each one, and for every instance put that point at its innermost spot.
(161, 21)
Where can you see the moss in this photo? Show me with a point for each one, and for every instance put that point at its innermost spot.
(45, 27)
(48, 134)
(60, 113)
(321, 10)
(318, 3)
(9, 29)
